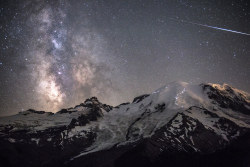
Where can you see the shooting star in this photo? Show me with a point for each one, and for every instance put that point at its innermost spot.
(217, 28)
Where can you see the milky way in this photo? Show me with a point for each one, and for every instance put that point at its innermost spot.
(55, 54)
(67, 64)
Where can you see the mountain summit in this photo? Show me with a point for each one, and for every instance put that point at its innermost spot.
(179, 124)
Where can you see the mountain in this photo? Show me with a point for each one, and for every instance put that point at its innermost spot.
(179, 124)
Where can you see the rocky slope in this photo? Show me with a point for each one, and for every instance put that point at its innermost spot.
(178, 124)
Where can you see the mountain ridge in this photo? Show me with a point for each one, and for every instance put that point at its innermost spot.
(177, 119)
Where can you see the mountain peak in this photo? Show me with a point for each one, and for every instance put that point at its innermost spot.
(92, 100)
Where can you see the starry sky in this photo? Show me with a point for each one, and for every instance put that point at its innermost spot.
(56, 53)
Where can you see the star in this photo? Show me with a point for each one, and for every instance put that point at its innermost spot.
(56, 44)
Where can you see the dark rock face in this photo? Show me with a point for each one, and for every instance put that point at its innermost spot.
(228, 98)
(140, 98)
(82, 120)
(123, 104)
(38, 112)
(63, 111)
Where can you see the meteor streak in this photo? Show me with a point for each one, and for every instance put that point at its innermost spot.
(217, 28)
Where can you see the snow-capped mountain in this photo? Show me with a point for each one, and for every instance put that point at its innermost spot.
(180, 123)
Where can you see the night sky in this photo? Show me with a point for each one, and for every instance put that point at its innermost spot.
(55, 54)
